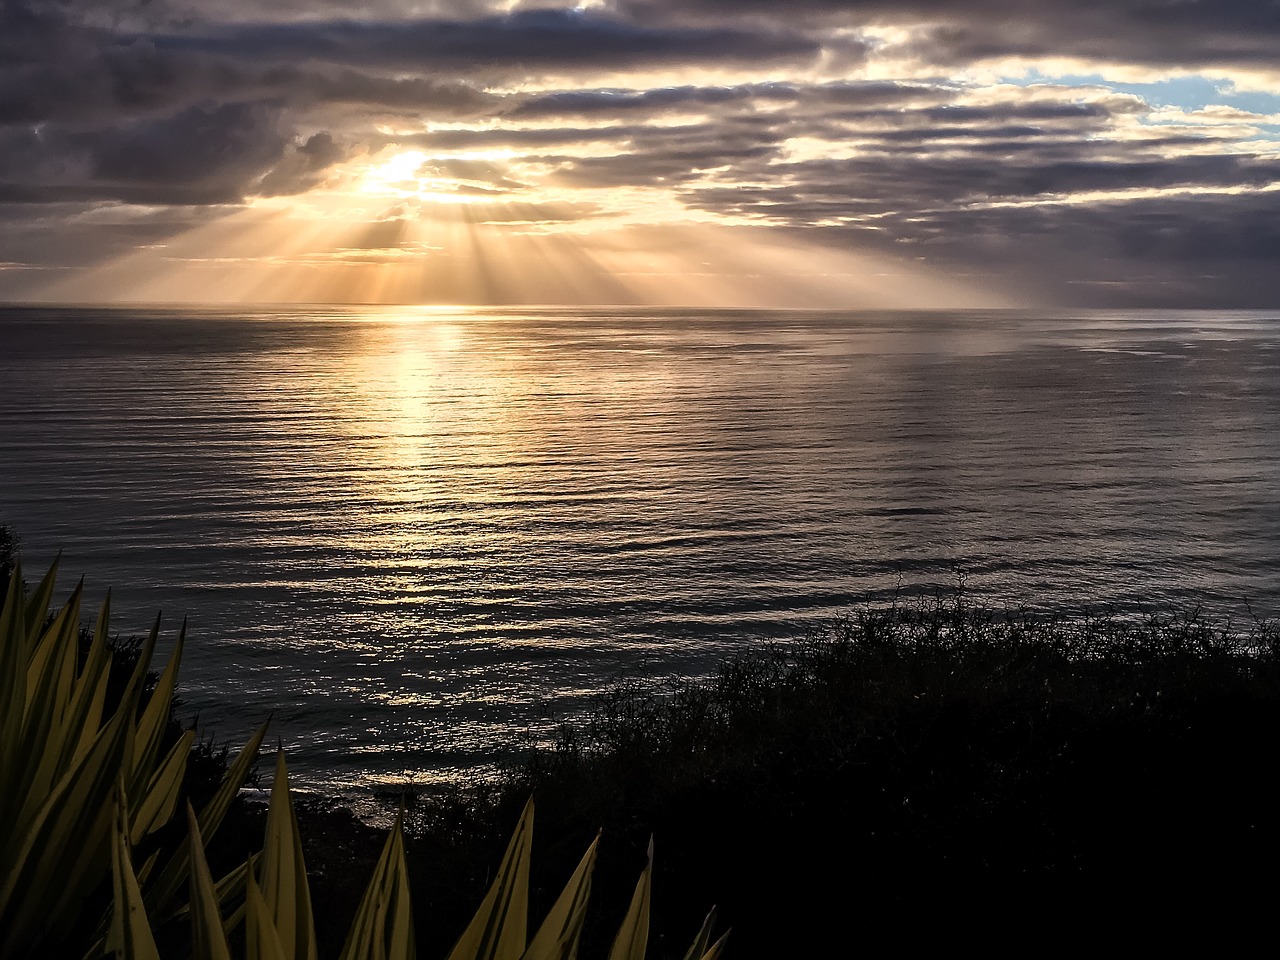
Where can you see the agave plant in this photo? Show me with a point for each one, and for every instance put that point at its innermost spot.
(81, 790)
(277, 904)
(499, 929)
(61, 762)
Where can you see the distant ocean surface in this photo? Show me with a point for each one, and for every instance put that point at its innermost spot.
(411, 535)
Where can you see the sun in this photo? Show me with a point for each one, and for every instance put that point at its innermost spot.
(416, 175)
(398, 176)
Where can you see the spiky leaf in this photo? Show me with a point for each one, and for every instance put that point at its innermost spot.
(130, 935)
(633, 935)
(66, 849)
(383, 926)
(208, 938)
(557, 938)
(698, 948)
(161, 796)
(718, 948)
(262, 942)
(499, 930)
(284, 876)
(162, 898)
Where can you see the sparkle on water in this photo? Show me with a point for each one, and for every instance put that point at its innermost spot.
(411, 535)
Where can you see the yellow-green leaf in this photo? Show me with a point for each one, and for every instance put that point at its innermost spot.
(161, 798)
(383, 925)
(499, 930)
(208, 939)
(85, 714)
(130, 935)
(161, 898)
(66, 849)
(558, 936)
(284, 876)
(152, 723)
(228, 889)
(262, 942)
(717, 948)
(50, 681)
(37, 606)
(13, 683)
(633, 935)
(699, 946)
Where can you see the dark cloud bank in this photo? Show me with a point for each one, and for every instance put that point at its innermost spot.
(176, 114)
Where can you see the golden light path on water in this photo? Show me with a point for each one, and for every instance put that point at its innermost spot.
(390, 230)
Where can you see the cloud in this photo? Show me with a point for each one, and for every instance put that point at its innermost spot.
(1161, 250)
(525, 40)
(614, 103)
(860, 123)
(1186, 33)
(56, 68)
(210, 154)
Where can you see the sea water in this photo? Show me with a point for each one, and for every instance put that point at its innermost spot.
(413, 535)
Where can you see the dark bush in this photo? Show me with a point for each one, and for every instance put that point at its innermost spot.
(925, 775)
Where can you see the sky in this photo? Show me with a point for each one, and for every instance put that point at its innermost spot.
(813, 153)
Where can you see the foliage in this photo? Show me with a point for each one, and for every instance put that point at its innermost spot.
(67, 761)
(86, 787)
(986, 769)
(279, 924)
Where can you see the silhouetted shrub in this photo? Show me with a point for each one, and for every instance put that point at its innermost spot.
(8, 556)
(930, 773)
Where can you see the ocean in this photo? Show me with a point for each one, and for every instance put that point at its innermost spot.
(414, 536)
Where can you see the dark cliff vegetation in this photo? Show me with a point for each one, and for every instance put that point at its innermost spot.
(919, 775)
